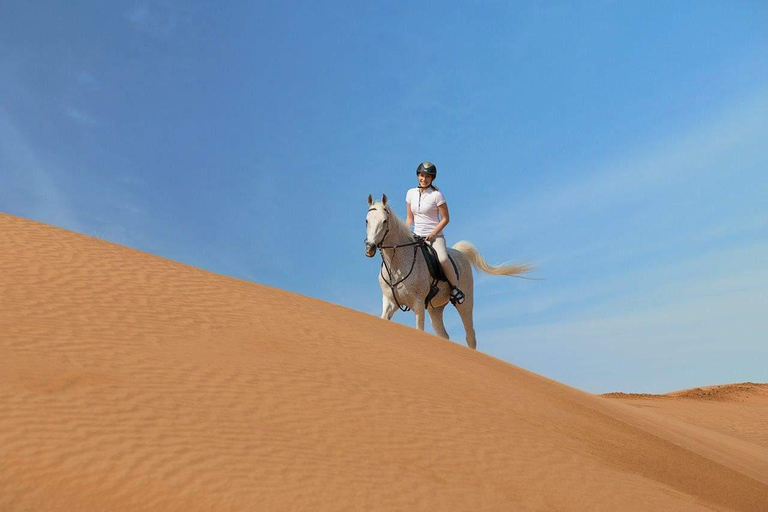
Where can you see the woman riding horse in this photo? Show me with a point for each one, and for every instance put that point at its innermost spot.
(427, 212)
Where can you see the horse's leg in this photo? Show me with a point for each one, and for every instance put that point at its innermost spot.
(436, 317)
(388, 308)
(418, 310)
(465, 312)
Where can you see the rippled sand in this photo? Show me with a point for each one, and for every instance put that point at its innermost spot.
(131, 382)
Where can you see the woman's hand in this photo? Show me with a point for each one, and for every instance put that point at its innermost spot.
(431, 236)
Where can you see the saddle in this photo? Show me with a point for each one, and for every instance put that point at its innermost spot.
(435, 270)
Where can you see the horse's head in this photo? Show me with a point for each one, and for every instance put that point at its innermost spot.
(376, 225)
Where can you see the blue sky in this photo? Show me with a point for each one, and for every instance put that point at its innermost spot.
(622, 147)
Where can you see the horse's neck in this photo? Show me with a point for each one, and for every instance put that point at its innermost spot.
(397, 258)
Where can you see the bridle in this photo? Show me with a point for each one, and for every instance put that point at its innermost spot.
(419, 241)
(386, 232)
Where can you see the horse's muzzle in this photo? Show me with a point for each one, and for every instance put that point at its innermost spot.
(370, 250)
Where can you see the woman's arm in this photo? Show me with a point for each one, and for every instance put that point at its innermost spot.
(445, 218)
(408, 215)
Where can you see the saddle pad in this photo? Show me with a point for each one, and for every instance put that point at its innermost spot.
(430, 256)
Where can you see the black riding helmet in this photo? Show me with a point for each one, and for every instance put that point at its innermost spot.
(427, 168)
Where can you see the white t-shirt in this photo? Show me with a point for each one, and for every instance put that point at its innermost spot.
(426, 216)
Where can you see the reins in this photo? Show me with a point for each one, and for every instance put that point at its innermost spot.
(392, 285)
(416, 242)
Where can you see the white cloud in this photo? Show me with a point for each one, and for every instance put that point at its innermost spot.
(139, 15)
(577, 291)
(710, 321)
(80, 117)
(632, 299)
(88, 80)
(159, 20)
(709, 340)
(707, 149)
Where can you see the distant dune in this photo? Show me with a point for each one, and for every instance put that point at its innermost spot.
(723, 393)
(131, 382)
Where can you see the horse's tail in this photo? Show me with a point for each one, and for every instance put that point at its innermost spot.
(477, 261)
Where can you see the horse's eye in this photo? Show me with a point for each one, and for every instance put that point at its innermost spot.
(366, 222)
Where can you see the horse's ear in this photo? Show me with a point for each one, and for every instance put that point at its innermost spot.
(384, 199)
(370, 200)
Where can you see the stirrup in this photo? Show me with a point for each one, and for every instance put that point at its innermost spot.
(457, 296)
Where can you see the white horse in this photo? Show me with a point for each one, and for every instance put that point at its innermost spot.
(405, 279)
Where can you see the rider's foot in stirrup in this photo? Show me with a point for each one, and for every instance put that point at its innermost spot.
(457, 296)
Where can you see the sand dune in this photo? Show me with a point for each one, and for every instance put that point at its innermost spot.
(131, 382)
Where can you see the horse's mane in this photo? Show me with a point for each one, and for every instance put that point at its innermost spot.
(396, 225)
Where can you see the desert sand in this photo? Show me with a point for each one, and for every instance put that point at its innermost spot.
(132, 382)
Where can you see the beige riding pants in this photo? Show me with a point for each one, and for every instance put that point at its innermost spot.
(442, 254)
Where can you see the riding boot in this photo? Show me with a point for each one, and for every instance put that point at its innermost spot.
(457, 296)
